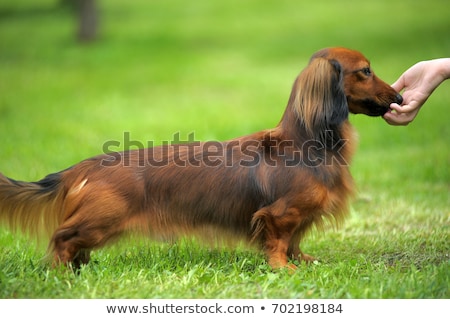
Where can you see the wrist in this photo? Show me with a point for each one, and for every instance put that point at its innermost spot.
(436, 71)
(443, 68)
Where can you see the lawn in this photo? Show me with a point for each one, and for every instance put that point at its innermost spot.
(222, 69)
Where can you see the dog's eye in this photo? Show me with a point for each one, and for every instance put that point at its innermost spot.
(367, 71)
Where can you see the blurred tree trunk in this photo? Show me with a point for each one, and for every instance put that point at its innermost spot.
(87, 15)
(88, 20)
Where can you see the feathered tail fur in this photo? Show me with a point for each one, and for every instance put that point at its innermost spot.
(32, 208)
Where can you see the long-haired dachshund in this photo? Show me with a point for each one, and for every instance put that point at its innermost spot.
(268, 188)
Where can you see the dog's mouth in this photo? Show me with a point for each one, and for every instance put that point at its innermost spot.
(373, 108)
(379, 111)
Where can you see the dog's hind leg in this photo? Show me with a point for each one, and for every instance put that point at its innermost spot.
(73, 242)
(82, 258)
(90, 226)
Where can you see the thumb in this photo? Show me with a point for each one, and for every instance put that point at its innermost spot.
(399, 84)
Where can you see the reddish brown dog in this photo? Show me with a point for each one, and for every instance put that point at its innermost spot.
(269, 187)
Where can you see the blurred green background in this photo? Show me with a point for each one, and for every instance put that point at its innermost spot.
(223, 69)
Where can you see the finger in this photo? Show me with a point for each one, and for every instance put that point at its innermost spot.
(396, 119)
(399, 84)
(407, 108)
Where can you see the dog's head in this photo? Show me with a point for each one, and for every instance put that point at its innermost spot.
(365, 92)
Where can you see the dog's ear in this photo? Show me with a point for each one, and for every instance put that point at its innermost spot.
(320, 101)
(337, 111)
(320, 54)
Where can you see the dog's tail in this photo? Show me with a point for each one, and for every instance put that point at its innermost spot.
(35, 208)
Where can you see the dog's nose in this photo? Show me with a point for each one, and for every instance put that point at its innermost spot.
(399, 99)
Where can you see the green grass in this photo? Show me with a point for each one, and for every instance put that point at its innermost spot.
(223, 69)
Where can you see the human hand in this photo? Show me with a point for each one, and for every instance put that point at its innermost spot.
(418, 83)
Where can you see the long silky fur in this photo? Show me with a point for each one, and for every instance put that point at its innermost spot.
(273, 206)
(32, 208)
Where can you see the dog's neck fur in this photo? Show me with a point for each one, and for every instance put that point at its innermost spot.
(292, 128)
